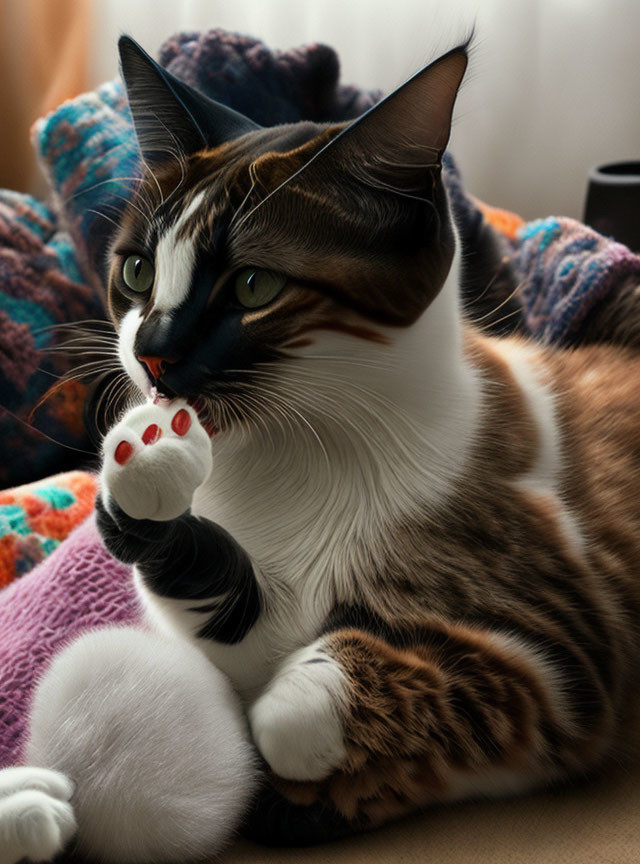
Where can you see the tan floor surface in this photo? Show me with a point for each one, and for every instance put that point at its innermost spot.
(598, 823)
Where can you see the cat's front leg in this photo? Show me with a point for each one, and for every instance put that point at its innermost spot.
(153, 461)
(368, 729)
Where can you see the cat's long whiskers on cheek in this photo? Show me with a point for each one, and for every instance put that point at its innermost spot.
(117, 389)
(83, 350)
(362, 399)
(105, 326)
(478, 321)
(115, 386)
(388, 364)
(270, 408)
(131, 202)
(258, 406)
(85, 191)
(287, 406)
(260, 409)
(276, 400)
(82, 371)
(102, 216)
(29, 425)
(506, 317)
(246, 410)
(315, 377)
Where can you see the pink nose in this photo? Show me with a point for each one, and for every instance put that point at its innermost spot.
(155, 365)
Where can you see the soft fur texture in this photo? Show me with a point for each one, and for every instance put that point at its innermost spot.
(155, 742)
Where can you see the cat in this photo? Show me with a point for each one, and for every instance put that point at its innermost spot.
(411, 546)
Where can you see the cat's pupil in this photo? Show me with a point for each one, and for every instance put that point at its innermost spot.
(251, 281)
(137, 267)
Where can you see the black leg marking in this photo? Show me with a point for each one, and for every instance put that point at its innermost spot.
(188, 558)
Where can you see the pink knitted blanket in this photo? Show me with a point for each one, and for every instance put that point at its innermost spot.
(78, 587)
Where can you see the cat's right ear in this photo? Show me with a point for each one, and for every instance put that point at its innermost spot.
(172, 119)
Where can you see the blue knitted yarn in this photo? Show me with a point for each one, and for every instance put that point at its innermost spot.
(565, 269)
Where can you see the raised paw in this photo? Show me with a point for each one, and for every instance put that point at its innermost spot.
(297, 722)
(34, 825)
(154, 459)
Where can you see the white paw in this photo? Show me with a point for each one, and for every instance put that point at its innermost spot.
(155, 459)
(296, 723)
(23, 777)
(35, 826)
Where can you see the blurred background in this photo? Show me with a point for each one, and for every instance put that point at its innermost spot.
(553, 87)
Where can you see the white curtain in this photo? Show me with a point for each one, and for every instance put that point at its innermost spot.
(553, 87)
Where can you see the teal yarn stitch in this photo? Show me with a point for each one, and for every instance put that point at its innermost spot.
(57, 498)
(13, 520)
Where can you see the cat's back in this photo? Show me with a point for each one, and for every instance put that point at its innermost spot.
(572, 416)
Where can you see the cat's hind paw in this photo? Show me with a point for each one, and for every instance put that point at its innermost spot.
(24, 777)
(35, 826)
(154, 459)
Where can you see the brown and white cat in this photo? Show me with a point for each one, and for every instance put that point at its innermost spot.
(415, 550)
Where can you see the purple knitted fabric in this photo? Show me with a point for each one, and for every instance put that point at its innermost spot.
(565, 269)
(79, 587)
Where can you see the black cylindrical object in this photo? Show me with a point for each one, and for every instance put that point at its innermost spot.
(613, 202)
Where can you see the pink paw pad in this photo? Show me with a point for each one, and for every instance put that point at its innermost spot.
(151, 434)
(181, 422)
(124, 452)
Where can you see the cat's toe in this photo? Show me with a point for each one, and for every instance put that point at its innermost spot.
(19, 778)
(35, 826)
(154, 460)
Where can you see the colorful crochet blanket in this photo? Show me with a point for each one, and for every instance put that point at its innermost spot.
(40, 285)
(565, 271)
(36, 518)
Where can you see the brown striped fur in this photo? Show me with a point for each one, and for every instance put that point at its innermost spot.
(432, 697)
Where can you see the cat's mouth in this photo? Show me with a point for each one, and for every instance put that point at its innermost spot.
(199, 406)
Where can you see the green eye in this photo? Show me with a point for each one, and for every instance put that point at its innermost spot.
(256, 288)
(138, 273)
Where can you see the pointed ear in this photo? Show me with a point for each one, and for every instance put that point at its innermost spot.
(169, 115)
(400, 141)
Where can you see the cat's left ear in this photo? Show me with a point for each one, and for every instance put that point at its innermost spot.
(400, 141)
(169, 115)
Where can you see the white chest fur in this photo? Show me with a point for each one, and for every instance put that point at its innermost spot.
(367, 434)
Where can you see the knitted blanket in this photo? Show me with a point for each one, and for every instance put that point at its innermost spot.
(40, 285)
(565, 270)
(36, 518)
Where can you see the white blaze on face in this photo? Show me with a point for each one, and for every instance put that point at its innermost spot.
(175, 259)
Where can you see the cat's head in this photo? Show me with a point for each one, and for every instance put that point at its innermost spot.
(250, 251)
